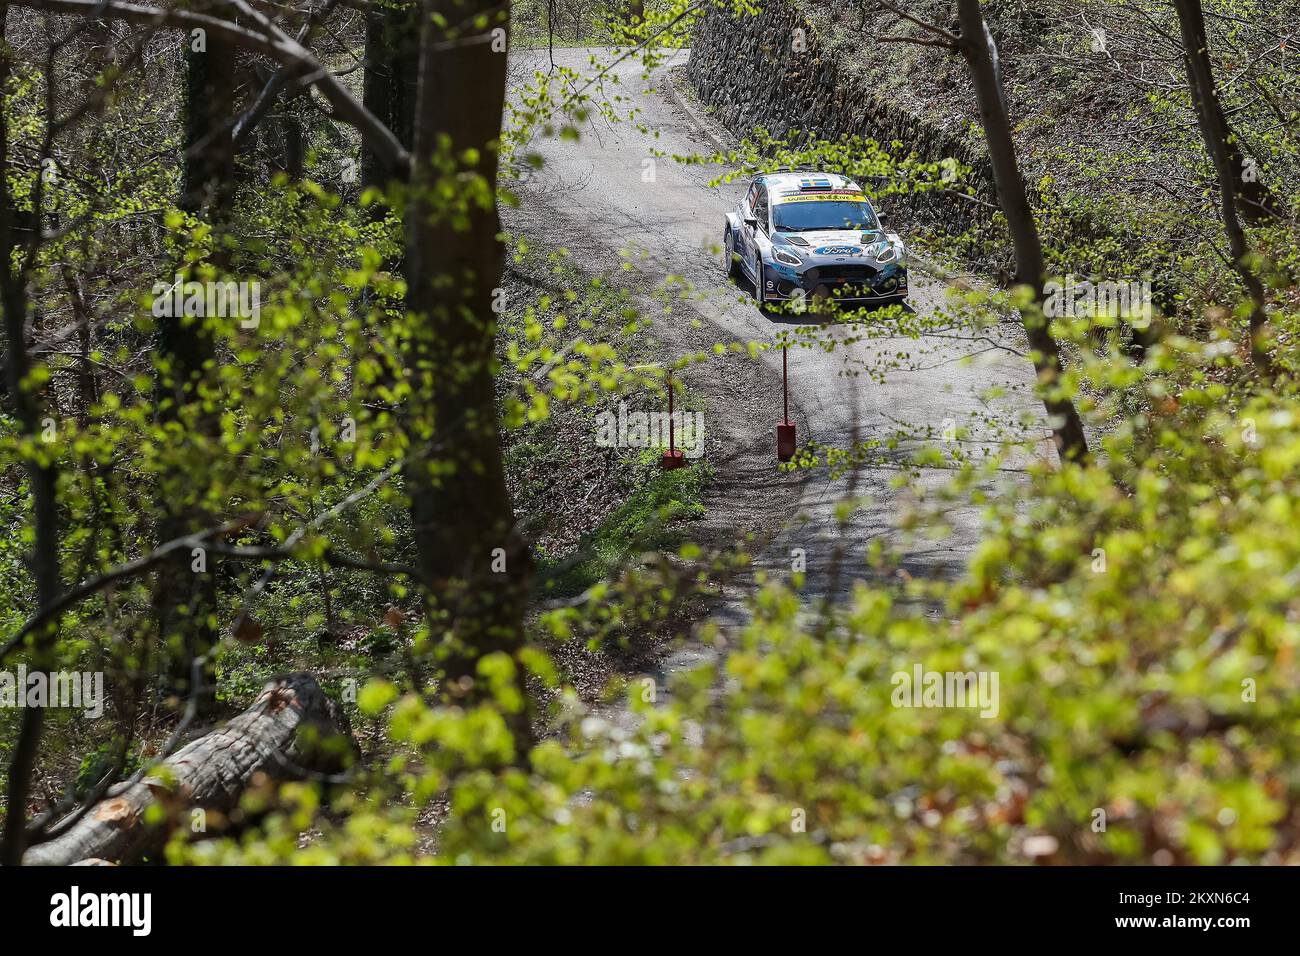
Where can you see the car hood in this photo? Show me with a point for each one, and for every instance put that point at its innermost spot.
(838, 243)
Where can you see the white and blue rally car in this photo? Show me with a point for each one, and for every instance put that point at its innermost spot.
(799, 235)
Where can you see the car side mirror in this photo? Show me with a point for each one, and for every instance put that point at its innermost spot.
(882, 218)
(751, 222)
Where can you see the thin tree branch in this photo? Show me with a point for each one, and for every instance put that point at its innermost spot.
(275, 44)
(952, 39)
(122, 571)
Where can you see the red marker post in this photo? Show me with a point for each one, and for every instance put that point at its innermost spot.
(785, 430)
(672, 458)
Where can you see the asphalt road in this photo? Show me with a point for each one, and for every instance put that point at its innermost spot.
(606, 197)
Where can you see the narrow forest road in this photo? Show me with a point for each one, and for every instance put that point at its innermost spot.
(596, 197)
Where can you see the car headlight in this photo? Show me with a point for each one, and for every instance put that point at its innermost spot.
(887, 254)
(789, 258)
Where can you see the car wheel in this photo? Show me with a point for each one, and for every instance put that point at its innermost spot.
(729, 260)
(758, 279)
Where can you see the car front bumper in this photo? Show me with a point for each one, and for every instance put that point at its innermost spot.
(855, 283)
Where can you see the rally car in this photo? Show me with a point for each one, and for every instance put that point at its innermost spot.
(801, 235)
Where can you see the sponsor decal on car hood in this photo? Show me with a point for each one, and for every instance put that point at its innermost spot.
(836, 237)
(839, 244)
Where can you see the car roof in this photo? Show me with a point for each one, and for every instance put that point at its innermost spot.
(808, 179)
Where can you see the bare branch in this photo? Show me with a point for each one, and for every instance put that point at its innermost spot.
(275, 44)
(952, 40)
(122, 571)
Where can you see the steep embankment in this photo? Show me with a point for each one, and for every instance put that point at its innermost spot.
(777, 71)
(1105, 135)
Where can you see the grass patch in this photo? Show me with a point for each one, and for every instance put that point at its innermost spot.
(651, 519)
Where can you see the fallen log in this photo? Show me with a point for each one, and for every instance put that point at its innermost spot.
(291, 729)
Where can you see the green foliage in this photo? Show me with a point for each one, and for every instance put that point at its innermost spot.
(650, 520)
(98, 762)
(1139, 616)
(1139, 613)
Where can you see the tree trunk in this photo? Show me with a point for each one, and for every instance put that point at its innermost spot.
(209, 111)
(41, 473)
(291, 160)
(392, 65)
(472, 561)
(186, 600)
(376, 96)
(978, 48)
(1257, 202)
(292, 728)
(1214, 130)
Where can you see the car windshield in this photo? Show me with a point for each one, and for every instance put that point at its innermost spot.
(804, 214)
